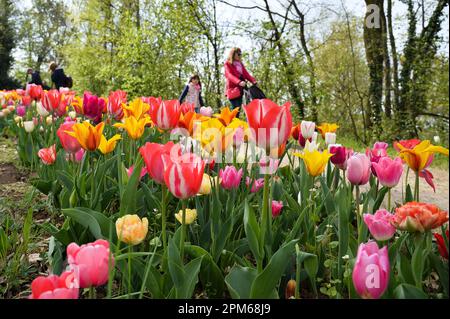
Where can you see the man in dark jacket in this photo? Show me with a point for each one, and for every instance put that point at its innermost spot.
(35, 77)
(59, 79)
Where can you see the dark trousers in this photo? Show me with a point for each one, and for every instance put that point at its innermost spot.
(237, 102)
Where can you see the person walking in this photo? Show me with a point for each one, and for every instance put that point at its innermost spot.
(236, 74)
(192, 93)
(59, 78)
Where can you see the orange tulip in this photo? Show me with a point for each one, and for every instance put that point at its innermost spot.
(87, 135)
(226, 116)
(327, 128)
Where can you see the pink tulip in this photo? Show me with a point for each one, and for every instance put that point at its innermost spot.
(206, 111)
(256, 184)
(371, 271)
(379, 224)
(277, 206)
(378, 151)
(48, 155)
(230, 177)
(114, 105)
(183, 174)
(69, 143)
(268, 165)
(388, 171)
(91, 261)
(55, 287)
(131, 170)
(93, 106)
(358, 169)
(165, 114)
(21, 110)
(269, 122)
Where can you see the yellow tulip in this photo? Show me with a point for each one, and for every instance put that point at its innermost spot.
(135, 128)
(131, 229)
(417, 158)
(107, 146)
(207, 184)
(136, 108)
(327, 128)
(315, 161)
(226, 115)
(191, 215)
(87, 135)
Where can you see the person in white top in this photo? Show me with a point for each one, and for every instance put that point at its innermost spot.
(192, 93)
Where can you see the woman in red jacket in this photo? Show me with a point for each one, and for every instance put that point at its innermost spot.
(236, 75)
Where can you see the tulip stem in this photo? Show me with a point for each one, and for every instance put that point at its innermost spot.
(389, 200)
(357, 211)
(129, 271)
(163, 218)
(183, 229)
(265, 218)
(416, 188)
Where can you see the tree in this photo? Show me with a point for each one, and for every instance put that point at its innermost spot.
(7, 43)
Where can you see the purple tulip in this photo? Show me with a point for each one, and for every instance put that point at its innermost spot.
(21, 110)
(256, 184)
(93, 107)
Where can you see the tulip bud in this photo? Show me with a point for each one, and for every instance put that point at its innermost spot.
(191, 215)
(314, 137)
(41, 129)
(17, 119)
(29, 126)
(307, 129)
(49, 120)
(290, 289)
(42, 111)
(73, 198)
(330, 138)
(277, 206)
(311, 146)
(436, 139)
(131, 229)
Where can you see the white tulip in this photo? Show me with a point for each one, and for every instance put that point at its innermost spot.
(17, 119)
(330, 138)
(311, 146)
(41, 109)
(314, 137)
(29, 126)
(436, 139)
(49, 120)
(307, 129)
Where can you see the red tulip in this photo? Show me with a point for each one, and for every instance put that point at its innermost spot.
(270, 123)
(48, 155)
(91, 261)
(93, 107)
(443, 250)
(187, 107)
(114, 105)
(34, 91)
(277, 206)
(165, 114)
(55, 287)
(410, 144)
(69, 143)
(153, 158)
(26, 100)
(183, 174)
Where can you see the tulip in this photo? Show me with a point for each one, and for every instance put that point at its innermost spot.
(26, 100)
(191, 215)
(378, 151)
(230, 177)
(330, 138)
(418, 157)
(42, 111)
(91, 261)
(206, 186)
(379, 224)
(48, 155)
(49, 120)
(226, 115)
(131, 229)
(115, 101)
(131, 170)
(277, 206)
(419, 217)
(107, 146)
(137, 109)
(206, 111)
(409, 144)
(290, 289)
(388, 171)
(29, 126)
(339, 157)
(51, 100)
(73, 115)
(442, 247)
(153, 157)
(311, 146)
(256, 184)
(21, 110)
(69, 143)
(358, 169)
(271, 124)
(190, 120)
(87, 135)
(55, 287)
(327, 128)
(436, 139)
(18, 119)
(307, 129)
(371, 271)
(183, 174)
(165, 114)
(315, 161)
(34, 91)
(93, 106)
(295, 132)
(268, 165)
(79, 155)
(187, 107)
(135, 128)
(314, 137)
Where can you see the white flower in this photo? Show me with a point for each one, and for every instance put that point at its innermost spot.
(346, 257)
(314, 137)
(29, 126)
(307, 129)
(330, 138)
(49, 120)
(311, 146)
(299, 198)
(42, 111)
(73, 115)
(17, 119)
(436, 139)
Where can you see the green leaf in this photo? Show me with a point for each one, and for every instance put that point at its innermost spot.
(442, 270)
(239, 281)
(407, 291)
(190, 278)
(128, 200)
(176, 267)
(252, 232)
(381, 194)
(265, 283)
(99, 225)
(409, 195)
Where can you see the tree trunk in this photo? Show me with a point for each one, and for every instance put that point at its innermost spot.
(387, 68)
(373, 42)
(394, 55)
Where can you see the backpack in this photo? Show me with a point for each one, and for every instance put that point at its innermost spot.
(69, 82)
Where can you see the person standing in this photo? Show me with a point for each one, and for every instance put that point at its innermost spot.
(59, 78)
(192, 93)
(236, 74)
(35, 77)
